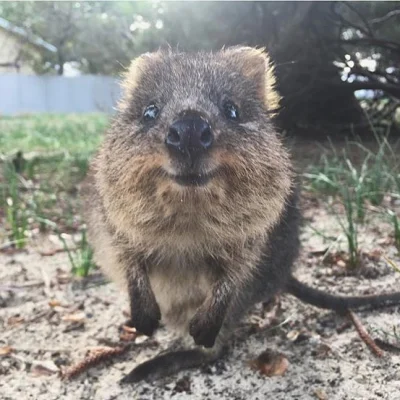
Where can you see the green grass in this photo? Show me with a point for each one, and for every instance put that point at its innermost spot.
(395, 220)
(80, 257)
(53, 148)
(44, 158)
(16, 214)
(350, 229)
(369, 180)
(82, 262)
(73, 134)
(358, 185)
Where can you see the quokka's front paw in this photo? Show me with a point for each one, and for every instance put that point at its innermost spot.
(145, 320)
(204, 329)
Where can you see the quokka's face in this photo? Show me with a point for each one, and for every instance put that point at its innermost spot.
(193, 118)
(192, 158)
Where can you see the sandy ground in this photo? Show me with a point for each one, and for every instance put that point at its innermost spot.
(39, 302)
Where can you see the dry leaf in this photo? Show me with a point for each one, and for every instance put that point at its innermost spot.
(54, 303)
(293, 335)
(44, 368)
(270, 363)
(296, 336)
(320, 394)
(385, 240)
(77, 317)
(318, 252)
(6, 350)
(375, 254)
(52, 252)
(341, 264)
(15, 320)
(323, 350)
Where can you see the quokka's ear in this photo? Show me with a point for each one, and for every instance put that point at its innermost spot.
(255, 64)
(131, 77)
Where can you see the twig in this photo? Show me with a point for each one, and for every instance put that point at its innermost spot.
(389, 15)
(21, 286)
(45, 313)
(364, 335)
(49, 253)
(91, 360)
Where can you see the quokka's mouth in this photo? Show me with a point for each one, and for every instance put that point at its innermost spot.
(193, 179)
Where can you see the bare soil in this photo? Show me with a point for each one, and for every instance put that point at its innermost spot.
(50, 320)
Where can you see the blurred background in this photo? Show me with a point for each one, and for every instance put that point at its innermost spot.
(336, 61)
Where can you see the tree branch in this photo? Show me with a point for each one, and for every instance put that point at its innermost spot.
(389, 15)
(358, 70)
(367, 29)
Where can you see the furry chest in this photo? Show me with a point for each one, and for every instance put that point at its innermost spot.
(180, 287)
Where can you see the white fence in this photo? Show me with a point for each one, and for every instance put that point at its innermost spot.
(57, 94)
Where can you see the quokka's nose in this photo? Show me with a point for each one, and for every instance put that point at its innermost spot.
(190, 136)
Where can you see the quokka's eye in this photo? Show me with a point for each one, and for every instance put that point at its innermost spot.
(231, 111)
(151, 113)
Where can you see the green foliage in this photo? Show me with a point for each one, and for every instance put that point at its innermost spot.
(95, 36)
(396, 227)
(81, 260)
(53, 154)
(350, 228)
(15, 210)
(359, 178)
(328, 182)
(367, 181)
(81, 257)
(72, 133)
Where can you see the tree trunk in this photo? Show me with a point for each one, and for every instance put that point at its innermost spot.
(61, 63)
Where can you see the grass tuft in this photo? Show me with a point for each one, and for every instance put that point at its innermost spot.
(358, 183)
(16, 215)
(396, 228)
